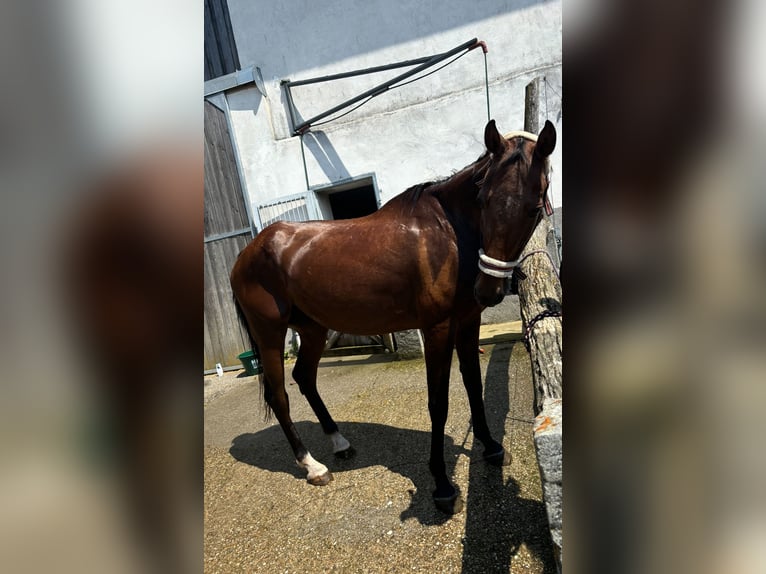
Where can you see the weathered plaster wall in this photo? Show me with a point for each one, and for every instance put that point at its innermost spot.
(419, 132)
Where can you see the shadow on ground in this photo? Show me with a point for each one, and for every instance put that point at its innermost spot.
(498, 519)
(405, 452)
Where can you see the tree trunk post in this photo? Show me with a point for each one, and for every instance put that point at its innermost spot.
(532, 105)
(540, 305)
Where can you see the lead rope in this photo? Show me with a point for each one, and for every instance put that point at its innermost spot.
(486, 83)
(519, 275)
(556, 230)
(534, 321)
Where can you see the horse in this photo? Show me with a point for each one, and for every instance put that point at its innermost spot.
(432, 258)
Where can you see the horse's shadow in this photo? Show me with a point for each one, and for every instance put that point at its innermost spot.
(403, 451)
(499, 520)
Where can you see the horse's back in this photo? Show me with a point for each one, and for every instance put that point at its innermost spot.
(367, 275)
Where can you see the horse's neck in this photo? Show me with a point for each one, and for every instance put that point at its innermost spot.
(454, 199)
(458, 196)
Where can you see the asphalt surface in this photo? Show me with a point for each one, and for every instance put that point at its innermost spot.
(377, 514)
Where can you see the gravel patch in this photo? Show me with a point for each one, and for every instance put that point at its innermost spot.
(377, 514)
(216, 386)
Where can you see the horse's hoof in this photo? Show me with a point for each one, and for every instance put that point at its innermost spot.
(449, 504)
(500, 458)
(321, 479)
(346, 454)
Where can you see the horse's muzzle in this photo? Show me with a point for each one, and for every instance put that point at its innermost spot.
(489, 299)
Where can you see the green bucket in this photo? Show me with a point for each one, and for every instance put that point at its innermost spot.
(251, 363)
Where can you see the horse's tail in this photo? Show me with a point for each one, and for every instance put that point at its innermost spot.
(243, 322)
(265, 391)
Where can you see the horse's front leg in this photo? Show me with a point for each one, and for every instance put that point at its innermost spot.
(467, 345)
(439, 341)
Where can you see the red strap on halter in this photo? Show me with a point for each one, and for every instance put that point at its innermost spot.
(548, 206)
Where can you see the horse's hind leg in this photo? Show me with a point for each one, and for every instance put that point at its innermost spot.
(313, 339)
(272, 358)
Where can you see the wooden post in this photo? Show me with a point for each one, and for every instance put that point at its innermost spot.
(539, 301)
(541, 291)
(532, 105)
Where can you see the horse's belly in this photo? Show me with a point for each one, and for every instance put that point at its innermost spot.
(356, 311)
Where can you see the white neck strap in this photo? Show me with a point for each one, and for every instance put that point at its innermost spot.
(495, 267)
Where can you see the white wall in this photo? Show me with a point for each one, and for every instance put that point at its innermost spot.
(419, 132)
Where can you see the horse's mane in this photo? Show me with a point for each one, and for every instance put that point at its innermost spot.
(414, 193)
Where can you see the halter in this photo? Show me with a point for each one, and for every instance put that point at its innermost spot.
(497, 267)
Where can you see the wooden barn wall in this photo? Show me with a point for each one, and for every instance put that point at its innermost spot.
(224, 203)
(225, 212)
(224, 336)
(220, 50)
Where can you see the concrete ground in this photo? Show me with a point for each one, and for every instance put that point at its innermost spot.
(377, 514)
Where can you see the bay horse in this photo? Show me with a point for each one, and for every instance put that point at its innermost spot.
(432, 258)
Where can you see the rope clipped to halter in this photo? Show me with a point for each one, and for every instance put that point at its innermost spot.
(519, 275)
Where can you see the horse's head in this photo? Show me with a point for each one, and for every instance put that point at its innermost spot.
(512, 194)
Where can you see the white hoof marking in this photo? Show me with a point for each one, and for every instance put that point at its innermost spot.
(312, 467)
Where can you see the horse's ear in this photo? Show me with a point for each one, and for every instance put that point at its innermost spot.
(492, 138)
(546, 141)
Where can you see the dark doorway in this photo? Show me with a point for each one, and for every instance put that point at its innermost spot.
(356, 202)
(347, 200)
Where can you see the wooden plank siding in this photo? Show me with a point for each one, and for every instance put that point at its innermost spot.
(224, 336)
(221, 55)
(225, 208)
(225, 213)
